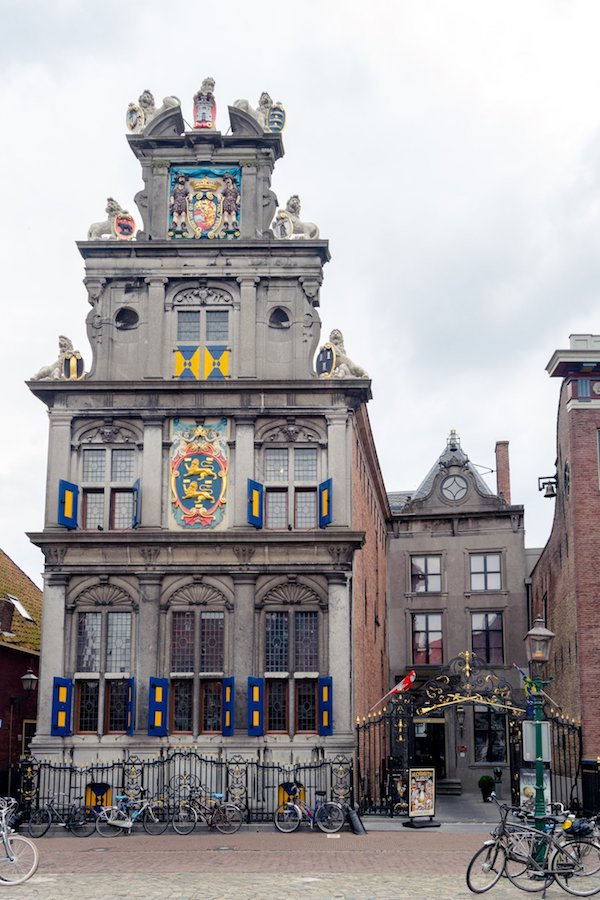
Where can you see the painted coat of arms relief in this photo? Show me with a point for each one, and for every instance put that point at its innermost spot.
(198, 472)
(204, 203)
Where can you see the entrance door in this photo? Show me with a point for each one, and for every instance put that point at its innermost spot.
(430, 746)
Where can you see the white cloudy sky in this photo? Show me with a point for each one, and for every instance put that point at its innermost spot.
(449, 151)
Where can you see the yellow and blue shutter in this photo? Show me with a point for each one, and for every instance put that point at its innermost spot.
(158, 706)
(187, 363)
(227, 705)
(68, 494)
(136, 513)
(62, 696)
(256, 706)
(216, 361)
(325, 503)
(255, 503)
(130, 707)
(325, 706)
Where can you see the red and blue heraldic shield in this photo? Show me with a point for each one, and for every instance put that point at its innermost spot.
(199, 477)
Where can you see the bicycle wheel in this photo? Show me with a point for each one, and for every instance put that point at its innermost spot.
(82, 821)
(39, 822)
(330, 817)
(156, 818)
(185, 818)
(109, 822)
(227, 818)
(22, 861)
(486, 867)
(287, 817)
(576, 867)
(522, 868)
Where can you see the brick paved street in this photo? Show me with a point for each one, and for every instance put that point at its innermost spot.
(261, 865)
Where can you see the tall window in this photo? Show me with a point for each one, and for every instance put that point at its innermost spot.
(490, 734)
(103, 653)
(426, 574)
(291, 478)
(486, 572)
(107, 483)
(202, 343)
(291, 649)
(487, 637)
(197, 651)
(427, 639)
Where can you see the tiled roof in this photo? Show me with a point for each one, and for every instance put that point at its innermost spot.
(24, 634)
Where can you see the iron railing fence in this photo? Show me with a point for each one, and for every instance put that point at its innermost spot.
(255, 785)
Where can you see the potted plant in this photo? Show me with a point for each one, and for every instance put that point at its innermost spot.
(486, 785)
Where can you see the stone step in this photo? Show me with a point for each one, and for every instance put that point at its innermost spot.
(449, 786)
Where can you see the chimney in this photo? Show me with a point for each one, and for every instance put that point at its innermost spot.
(503, 470)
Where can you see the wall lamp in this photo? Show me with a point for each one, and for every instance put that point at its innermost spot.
(460, 718)
(547, 484)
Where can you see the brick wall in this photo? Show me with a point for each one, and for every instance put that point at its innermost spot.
(14, 664)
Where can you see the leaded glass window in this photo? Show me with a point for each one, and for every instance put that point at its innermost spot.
(93, 509)
(212, 647)
(94, 465)
(306, 509)
(305, 464)
(211, 692)
(182, 705)
(306, 706)
(87, 706)
(277, 705)
(116, 702)
(122, 509)
(182, 641)
(306, 641)
(217, 325)
(188, 326)
(123, 465)
(276, 642)
(118, 643)
(277, 509)
(291, 476)
(276, 464)
(106, 502)
(89, 632)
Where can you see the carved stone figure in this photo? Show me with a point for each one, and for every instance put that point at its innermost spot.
(178, 202)
(344, 367)
(289, 225)
(205, 107)
(260, 114)
(269, 202)
(55, 369)
(149, 109)
(105, 231)
(231, 203)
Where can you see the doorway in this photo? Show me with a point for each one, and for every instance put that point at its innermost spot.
(430, 745)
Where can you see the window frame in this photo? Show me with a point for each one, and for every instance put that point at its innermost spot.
(487, 631)
(426, 557)
(428, 631)
(487, 573)
(292, 486)
(107, 487)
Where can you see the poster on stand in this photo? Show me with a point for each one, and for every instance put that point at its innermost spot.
(421, 792)
(527, 789)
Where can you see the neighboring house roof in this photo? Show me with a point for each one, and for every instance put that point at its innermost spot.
(399, 499)
(26, 599)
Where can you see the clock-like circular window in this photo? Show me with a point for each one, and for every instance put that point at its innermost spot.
(454, 488)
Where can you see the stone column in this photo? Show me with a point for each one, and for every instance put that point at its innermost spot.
(243, 643)
(246, 364)
(248, 224)
(152, 474)
(153, 367)
(150, 628)
(339, 463)
(243, 469)
(59, 461)
(158, 208)
(340, 649)
(52, 661)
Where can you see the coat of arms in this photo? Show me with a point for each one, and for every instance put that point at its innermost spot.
(326, 361)
(124, 226)
(199, 467)
(276, 118)
(205, 203)
(135, 118)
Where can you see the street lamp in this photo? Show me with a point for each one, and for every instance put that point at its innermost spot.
(29, 681)
(538, 643)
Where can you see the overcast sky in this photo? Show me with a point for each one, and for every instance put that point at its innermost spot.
(449, 152)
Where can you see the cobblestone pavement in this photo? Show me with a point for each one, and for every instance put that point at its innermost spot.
(261, 865)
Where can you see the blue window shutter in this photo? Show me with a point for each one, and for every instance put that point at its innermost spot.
(326, 706)
(256, 706)
(227, 707)
(67, 504)
(130, 711)
(158, 706)
(255, 503)
(136, 514)
(325, 502)
(62, 696)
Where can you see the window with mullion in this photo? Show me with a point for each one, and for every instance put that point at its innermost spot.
(277, 705)
(306, 706)
(426, 574)
(106, 503)
(485, 572)
(88, 695)
(427, 639)
(487, 637)
(211, 693)
(118, 642)
(182, 701)
(116, 707)
(277, 642)
(212, 644)
(306, 641)
(89, 636)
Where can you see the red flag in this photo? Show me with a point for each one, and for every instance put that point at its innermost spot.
(399, 688)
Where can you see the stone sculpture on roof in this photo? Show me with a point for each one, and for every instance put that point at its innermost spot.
(140, 114)
(68, 365)
(205, 107)
(119, 225)
(269, 116)
(333, 361)
(288, 224)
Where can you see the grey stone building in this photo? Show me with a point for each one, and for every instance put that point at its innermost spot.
(456, 575)
(206, 490)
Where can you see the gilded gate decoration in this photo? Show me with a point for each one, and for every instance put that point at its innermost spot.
(467, 681)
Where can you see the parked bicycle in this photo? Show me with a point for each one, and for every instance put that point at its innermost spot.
(79, 819)
(120, 819)
(211, 810)
(532, 859)
(19, 857)
(328, 815)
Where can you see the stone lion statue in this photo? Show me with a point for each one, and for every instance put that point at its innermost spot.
(344, 367)
(105, 231)
(55, 369)
(290, 218)
(260, 114)
(146, 101)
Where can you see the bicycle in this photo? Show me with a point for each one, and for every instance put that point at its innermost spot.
(226, 817)
(120, 819)
(532, 859)
(79, 820)
(328, 815)
(20, 858)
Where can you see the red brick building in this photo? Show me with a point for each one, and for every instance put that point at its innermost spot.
(20, 620)
(566, 579)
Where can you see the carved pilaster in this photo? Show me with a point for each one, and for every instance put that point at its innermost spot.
(244, 553)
